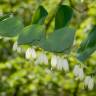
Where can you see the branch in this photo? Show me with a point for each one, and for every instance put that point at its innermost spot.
(78, 10)
(75, 93)
(61, 2)
(51, 18)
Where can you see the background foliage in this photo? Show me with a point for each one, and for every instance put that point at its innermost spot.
(19, 77)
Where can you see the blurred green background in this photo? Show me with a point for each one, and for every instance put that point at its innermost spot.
(20, 77)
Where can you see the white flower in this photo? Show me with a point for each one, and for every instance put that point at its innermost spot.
(59, 64)
(81, 74)
(89, 82)
(75, 70)
(66, 65)
(16, 47)
(62, 64)
(42, 58)
(30, 53)
(19, 49)
(78, 72)
(54, 61)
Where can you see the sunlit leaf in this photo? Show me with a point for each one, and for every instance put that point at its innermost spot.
(10, 27)
(40, 15)
(30, 34)
(88, 46)
(59, 41)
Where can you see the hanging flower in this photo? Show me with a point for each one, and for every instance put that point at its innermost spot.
(75, 70)
(54, 61)
(17, 48)
(30, 53)
(89, 82)
(66, 65)
(42, 58)
(59, 64)
(81, 74)
(62, 64)
(78, 72)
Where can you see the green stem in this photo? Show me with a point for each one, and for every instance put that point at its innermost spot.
(75, 93)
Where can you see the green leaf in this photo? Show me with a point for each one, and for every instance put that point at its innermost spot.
(31, 34)
(88, 46)
(59, 41)
(4, 16)
(10, 27)
(63, 16)
(39, 16)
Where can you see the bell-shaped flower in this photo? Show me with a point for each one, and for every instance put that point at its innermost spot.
(17, 48)
(62, 64)
(89, 82)
(81, 74)
(30, 53)
(42, 58)
(66, 65)
(78, 72)
(54, 60)
(75, 70)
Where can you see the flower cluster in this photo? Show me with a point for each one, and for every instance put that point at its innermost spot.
(58, 63)
(79, 73)
(41, 58)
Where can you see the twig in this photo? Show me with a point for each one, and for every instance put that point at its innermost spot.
(78, 10)
(51, 18)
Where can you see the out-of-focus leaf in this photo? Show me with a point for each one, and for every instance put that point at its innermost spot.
(18, 74)
(2, 66)
(59, 41)
(88, 46)
(31, 34)
(40, 15)
(63, 16)
(4, 17)
(10, 27)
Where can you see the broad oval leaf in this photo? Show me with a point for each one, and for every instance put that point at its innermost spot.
(40, 15)
(59, 41)
(63, 16)
(88, 46)
(10, 27)
(30, 34)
